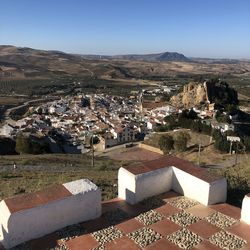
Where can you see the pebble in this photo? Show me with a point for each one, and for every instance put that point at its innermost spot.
(227, 241)
(107, 234)
(183, 202)
(184, 238)
(144, 236)
(116, 216)
(150, 217)
(220, 220)
(70, 232)
(152, 202)
(183, 218)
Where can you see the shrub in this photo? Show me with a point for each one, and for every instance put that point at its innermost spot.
(181, 140)
(166, 143)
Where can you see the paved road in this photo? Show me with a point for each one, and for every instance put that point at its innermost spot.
(6, 116)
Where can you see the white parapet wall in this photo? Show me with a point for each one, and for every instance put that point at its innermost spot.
(135, 186)
(195, 188)
(48, 211)
(245, 210)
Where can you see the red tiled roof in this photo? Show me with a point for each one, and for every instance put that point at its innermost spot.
(27, 201)
(168, 161)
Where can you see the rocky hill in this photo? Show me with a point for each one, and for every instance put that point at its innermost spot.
(159, 57)
(27, 63)
(198, 94)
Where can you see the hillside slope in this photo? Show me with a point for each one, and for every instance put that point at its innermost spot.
(27, 63)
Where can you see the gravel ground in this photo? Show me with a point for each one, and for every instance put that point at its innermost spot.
(183, 202)
(116, 216)
(61, 247)
(149, 217)
(183, 218)
(107, 234)
(184, 239)
(153, 202)
(220, 220)
(144, 236)
(227, 241)
(101, 247)
(70, 232)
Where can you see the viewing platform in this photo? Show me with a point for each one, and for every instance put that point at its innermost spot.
(171, 204)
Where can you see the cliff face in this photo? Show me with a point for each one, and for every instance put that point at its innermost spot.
(193, 94)
(197, 94)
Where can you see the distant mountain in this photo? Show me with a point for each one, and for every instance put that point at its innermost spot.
(160, 57)
(27, 63)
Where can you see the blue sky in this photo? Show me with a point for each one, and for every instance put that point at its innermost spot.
(199, 28)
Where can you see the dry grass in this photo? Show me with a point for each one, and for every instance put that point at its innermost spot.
(8, 100)
(36, 172)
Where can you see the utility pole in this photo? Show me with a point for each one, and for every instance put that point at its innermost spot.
(236, 153)
(230, 150)
(199, 154)
(93, 151)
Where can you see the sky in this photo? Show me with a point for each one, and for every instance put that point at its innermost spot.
(196, 28)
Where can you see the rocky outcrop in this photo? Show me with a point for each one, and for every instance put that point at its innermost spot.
(198, 94)
(193, 94)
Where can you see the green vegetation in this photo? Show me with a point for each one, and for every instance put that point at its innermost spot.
(237, 181)
(221, 94)
(180, 141)
(29, 145)
(186, 119)
(220, 117)
(166, 143)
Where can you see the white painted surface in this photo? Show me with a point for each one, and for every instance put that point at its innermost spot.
(218, 191)
(153, 183)
(190, 186)
(83, 205)
(80, 186)
(135, 188)
(245, 210)
(195, 188)
(126, 186)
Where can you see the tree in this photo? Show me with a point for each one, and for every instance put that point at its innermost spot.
(246, 142)
(171, 121)
(192, 114)
(166, 143)
(23, 145)
(181, 140)
(26, 145)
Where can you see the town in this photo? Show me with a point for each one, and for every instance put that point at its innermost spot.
(73, 124)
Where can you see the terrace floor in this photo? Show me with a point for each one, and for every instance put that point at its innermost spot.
(168, 221)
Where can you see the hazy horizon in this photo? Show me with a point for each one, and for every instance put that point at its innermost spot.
(211, 29)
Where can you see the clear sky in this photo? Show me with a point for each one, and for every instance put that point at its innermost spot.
(199, 28)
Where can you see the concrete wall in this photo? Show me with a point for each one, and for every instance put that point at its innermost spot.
(126, 186)
(153, 183)
(218, 191)
(24, 225)
(190, 186)
(195, 188)
(245, 210)
(135, 188)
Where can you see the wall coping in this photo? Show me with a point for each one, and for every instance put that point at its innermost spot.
(47, 195)
(172, 161)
